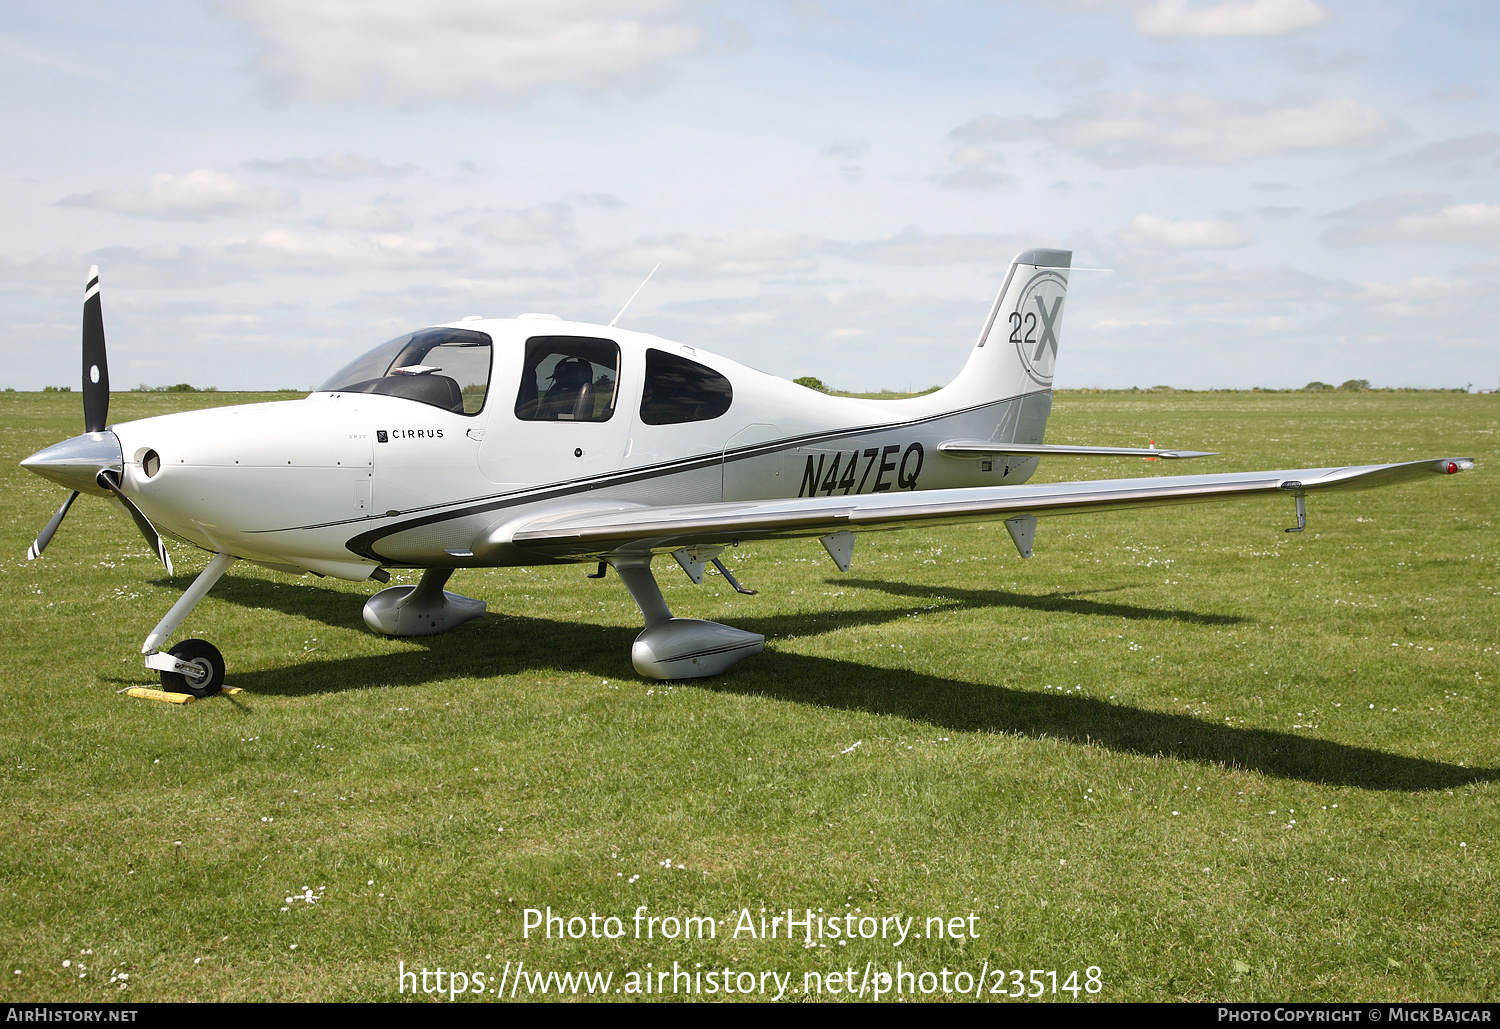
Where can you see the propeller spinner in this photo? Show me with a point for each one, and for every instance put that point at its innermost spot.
(93, 462)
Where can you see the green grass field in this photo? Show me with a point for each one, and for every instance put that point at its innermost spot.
(1209, 758)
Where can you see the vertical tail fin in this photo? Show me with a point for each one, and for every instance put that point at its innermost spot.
(1017, 349)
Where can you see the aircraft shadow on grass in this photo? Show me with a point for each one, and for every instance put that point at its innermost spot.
(502, 644)
(1072, 602)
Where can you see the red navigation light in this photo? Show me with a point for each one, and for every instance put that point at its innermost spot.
(1452, 467)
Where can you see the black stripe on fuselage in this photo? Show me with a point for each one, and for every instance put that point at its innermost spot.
(363, 544)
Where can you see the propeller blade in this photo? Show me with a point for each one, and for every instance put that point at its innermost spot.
(95, 364)
(109, 481)
(35, 550)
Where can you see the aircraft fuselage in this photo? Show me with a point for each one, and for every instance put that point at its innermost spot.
(343, 482)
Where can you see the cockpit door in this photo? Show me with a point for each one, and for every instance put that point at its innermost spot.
(566, 418)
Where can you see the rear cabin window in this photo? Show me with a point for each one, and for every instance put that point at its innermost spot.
(678, 390)
(568, 379)
(446, 368)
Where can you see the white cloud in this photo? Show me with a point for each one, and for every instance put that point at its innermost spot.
(371, 218)
(19, 51)
(1136, 128)
(404, 54)
(332, 166)
(974, 169)
(865, 340)
(544, 224)
(911, 247)
(1386, 208)
(1475, 224)
(1480, 144)
(849, 149)
(278, 252)
(1148, 232)
(1169, 18)
(284, 251)
(196, 196)
(757, 251)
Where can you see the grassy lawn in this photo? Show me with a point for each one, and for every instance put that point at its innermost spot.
(1209, 758)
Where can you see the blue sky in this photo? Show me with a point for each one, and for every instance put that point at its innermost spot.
(1275, 191)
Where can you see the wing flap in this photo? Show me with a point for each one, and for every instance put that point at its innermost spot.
(593, 533)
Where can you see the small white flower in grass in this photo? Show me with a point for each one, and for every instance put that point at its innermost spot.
(1176, 812)
(294, 946)
(370, 883)
(67, 964)
(197, 961)
(1463, 844)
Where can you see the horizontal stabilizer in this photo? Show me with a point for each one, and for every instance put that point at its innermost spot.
(984, 448)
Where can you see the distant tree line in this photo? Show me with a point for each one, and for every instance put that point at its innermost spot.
(1349, 386)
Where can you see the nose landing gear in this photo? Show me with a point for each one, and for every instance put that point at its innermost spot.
(200, 669)
(193, 666)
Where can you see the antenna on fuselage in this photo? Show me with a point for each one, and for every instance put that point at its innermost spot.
(634, 295)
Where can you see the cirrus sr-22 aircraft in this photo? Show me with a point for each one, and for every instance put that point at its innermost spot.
(534, 440)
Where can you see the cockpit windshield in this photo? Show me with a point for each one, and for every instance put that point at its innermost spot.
(447, 368)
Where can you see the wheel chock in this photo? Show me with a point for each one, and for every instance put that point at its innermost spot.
(146, 693)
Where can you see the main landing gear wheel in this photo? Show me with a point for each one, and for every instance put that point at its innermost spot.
(208, 677)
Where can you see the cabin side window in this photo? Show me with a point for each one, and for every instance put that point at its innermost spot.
(678, 390)
(446, 368)
(568, 379)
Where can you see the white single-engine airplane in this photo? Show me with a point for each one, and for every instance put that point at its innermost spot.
(532, 440)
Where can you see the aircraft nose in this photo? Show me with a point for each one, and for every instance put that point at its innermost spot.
(77, 462)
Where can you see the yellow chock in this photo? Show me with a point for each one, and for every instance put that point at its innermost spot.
(162, 695)
(144, 693)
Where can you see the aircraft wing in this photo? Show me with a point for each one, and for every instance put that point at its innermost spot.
(599, 531)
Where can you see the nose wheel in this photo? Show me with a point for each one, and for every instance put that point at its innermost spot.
(200, 669)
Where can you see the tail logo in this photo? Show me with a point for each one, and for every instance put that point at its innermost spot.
(1034, 324)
